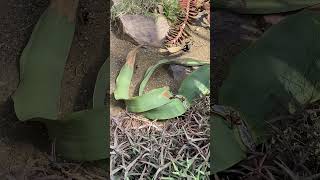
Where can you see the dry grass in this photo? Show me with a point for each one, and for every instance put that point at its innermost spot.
(170, 8)
(175, 149)
(141, 7)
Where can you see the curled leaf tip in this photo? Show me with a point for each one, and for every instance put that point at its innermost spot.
(131, 57)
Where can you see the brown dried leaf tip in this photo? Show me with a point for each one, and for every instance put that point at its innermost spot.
(179, 32)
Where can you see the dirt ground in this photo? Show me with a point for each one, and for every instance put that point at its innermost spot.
(131, 133)
(20, 142)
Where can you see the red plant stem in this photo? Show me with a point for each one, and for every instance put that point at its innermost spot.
(182, 27)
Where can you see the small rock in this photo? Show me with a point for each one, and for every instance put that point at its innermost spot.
(178, 72)
(144, 30)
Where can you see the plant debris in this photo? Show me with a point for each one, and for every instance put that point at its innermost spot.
(149, 149)
(179, 32)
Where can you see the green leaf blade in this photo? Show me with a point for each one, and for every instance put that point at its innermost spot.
(42, 66)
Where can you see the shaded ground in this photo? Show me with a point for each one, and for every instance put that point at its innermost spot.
(14, 33)
(20, 142)
(232, 34)
(294, 142)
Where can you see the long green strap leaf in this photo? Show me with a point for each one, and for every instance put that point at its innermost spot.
(264, 6)
(276, 78)
(123, 80)
(158, 103)
(193, 87)
(153, 99)
(41, 67)
(279, 73)
(226, 149)
(78, 135)
(81, 135)
(100, 88)
(170, 110)
(149, 72)
(195, 84)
